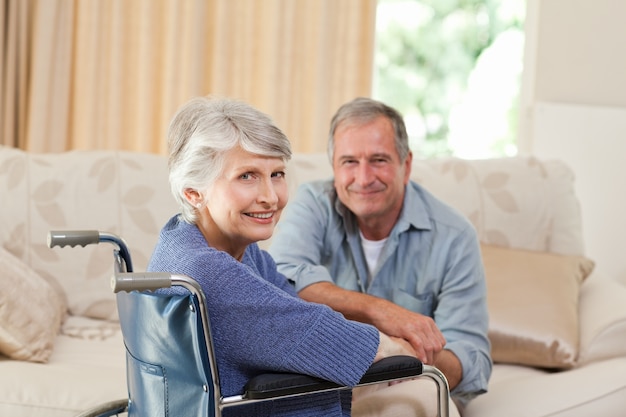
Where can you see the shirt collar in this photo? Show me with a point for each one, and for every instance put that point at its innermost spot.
(414, 211)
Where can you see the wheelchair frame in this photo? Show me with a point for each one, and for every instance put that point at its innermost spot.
(261, 388)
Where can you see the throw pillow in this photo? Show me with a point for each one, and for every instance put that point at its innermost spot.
(533, 305)
(31, 311)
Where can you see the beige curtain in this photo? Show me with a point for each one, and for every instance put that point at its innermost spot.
(109, 74)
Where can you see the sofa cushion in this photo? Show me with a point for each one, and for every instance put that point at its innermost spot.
(533, 305)
(598, 389)
(86, 368)
(602, 320)
(31, 311)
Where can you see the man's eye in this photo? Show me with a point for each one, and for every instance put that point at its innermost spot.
(245, 176)
(279, 174)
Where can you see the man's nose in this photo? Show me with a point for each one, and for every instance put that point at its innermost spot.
(364, 174)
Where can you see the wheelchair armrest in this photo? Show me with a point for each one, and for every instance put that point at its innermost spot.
(272, 385)
(391, 368)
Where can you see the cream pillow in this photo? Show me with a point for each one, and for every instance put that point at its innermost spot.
(31, 312)
(533, 306)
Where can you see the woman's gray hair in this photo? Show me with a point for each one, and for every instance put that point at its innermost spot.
(200, 134)
(363, 110)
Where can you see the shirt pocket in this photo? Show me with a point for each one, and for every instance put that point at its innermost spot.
(418, 303)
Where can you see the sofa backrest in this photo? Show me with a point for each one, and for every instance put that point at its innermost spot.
(518, 202)
(119, 192)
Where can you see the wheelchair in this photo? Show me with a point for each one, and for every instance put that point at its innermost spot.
(160, 330)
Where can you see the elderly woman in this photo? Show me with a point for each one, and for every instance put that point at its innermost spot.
(227, 171)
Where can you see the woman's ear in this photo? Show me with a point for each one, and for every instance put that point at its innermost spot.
(193, 197)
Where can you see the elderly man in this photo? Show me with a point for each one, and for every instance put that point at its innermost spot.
(380, 249)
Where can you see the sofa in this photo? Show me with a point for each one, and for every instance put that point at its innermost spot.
(558, 330)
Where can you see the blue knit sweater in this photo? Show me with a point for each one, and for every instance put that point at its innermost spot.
(259, 324)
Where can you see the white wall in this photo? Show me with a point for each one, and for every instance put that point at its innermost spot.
(574, 108)
(593, 142)
(581, 52)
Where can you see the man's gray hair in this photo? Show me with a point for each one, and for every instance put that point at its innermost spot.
(200, 134)
(363, 110)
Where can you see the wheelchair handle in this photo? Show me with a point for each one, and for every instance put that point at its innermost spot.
(72, 238)
(140, 281)
(62, 238)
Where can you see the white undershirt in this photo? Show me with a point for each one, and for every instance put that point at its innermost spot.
(371, 249)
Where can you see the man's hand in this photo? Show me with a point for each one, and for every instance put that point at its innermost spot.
(419, 330)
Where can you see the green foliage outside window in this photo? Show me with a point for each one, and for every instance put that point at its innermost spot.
(453, 68)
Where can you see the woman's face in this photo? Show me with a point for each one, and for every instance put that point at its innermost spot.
(245, 202)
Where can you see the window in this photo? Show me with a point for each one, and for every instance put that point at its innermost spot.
(453, 68)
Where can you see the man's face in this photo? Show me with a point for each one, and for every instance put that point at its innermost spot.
(369, 176)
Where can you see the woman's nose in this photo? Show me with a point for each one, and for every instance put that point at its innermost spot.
(267, 192)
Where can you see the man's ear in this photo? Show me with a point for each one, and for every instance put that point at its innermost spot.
(408, 164)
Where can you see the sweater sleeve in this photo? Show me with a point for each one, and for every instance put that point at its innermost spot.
(335, 344)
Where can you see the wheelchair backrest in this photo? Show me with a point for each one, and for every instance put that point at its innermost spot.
(167, 361)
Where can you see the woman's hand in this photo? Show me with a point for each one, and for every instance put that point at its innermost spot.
(392, 346)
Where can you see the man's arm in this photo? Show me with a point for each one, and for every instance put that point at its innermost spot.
(420, 331)
(448, 363)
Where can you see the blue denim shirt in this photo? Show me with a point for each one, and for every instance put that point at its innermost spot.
(431, 264)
